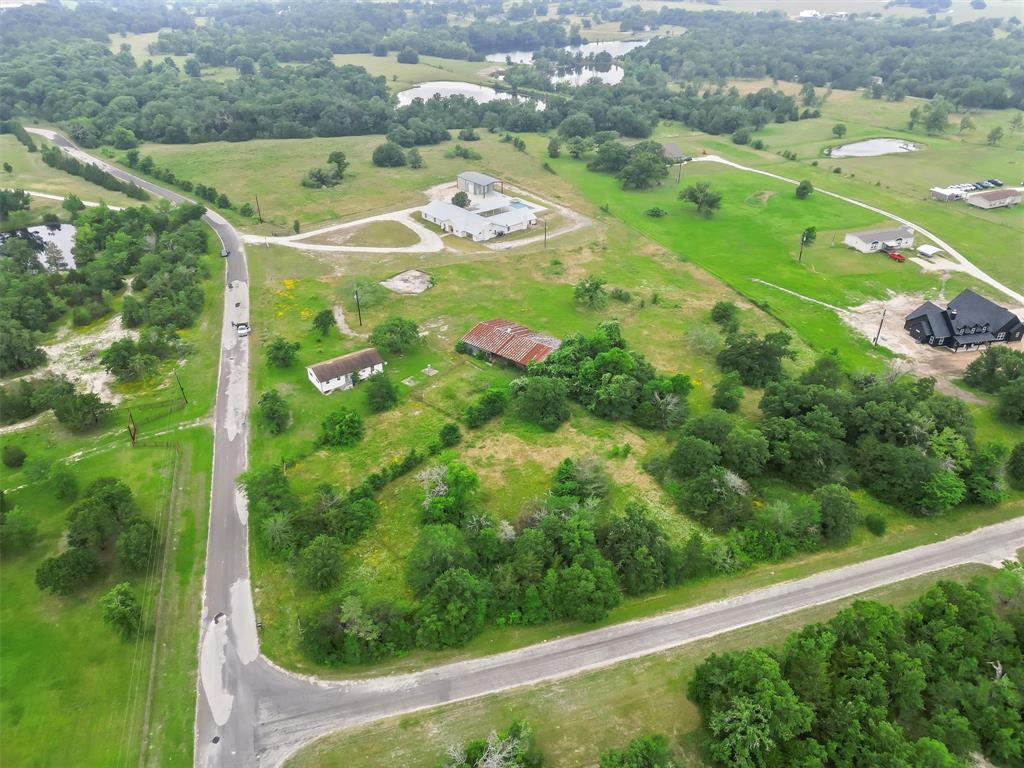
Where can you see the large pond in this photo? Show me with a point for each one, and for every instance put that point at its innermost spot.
(61, 236)
(614, 47)
(478, 93)
(873, 148)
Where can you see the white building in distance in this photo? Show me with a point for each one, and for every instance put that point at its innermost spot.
(490, 213)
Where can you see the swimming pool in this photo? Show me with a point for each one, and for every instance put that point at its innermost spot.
(517, 204)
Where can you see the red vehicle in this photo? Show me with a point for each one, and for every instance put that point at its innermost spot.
(896, 256)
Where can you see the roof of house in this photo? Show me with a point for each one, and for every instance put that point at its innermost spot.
(511, 341)
(478, 178)
(972, 309)
(350, 363)
(967, 311)
(466, 221)
(995, 195)
(884, 233)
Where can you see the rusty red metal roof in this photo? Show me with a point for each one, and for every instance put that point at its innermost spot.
(511, 341)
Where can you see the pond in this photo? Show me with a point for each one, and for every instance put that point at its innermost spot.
(62, 236)
(478, 93)
(614, 47)
(584, 75)
(873, 148)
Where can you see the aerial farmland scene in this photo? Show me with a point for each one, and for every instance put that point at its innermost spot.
(512, 384)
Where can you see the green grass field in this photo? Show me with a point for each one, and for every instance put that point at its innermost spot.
(379, 234)
(402, 76)
(577, 718)
(993, 239)
(73, 692)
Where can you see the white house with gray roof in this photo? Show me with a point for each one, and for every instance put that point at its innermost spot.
(489, 214)
(871, 240)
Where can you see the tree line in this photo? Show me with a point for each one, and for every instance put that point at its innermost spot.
(929, 685)
(977, 64)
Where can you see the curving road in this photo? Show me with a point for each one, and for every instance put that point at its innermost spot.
(250, 712)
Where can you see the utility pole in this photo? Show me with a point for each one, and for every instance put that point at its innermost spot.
(875, 342)
(183, 397)
(679, 173)
(359, 310)
(259, 213)
(545, 233)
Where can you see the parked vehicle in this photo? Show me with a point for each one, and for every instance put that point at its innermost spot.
(896, 256)
(995, 182)
(242, 329)
(224, 253)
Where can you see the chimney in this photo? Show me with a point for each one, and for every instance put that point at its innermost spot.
(952, 312)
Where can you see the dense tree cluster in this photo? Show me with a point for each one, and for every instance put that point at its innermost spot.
(162, 246)
(847, 55)
(56, 158)
(925, 686)
(613, 382)
(105, 519)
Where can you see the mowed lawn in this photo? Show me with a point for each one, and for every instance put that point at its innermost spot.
(402, 76)
(578, 718)
(994, 240)
(756, 236)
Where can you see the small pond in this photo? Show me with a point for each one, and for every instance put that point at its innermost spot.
(478, 93)
(584, 75)
(873, 148)
(614, 47)
(62, 236)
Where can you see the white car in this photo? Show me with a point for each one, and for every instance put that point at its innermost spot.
(243, 329)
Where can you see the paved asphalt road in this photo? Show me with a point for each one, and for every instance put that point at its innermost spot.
(250, 712)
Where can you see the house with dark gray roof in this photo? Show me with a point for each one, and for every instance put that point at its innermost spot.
(969, 322)
(343, 372)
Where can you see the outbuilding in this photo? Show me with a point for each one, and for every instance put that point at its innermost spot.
(343, 372)
(995, 198)
(947, 194)
(479, 184)
(508, 341)
(871, 240)
(928, 251)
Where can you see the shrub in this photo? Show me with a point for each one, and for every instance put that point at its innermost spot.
(491, 403)
(13, 456)
(408, 56)
(656, 212)
(122, 610)
(281, 352)
(389, 155)
(381, 394)
(875, 523)
(542, 400)
(1015, 467)
(319, 564)
(136, 544)
(395, 335)
(450, 435)
(274, 411)
(621, 294)
(728, 392)
(17, 531)
(341, 429)
(725, 313)
(68, 571)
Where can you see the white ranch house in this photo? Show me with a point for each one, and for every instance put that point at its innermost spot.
(343, 372)
(871, 240)
(489, 214)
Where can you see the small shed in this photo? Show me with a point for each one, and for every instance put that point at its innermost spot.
(343, 372)
(479, 184)
(928, 251)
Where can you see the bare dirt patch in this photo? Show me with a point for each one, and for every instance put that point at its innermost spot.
(409, 283)
(77, 356)
(922, 359)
